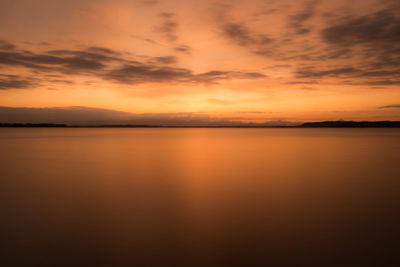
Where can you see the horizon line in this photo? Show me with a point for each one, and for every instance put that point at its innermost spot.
(319, 124)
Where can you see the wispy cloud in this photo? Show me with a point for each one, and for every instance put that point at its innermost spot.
(243, 36)
(94, 116)
(297, 20)
(4, 45)
(8, 82)
(390, 106)
(109, 65)
(168, 26)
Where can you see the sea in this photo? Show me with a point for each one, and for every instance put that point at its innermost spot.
(199, 197)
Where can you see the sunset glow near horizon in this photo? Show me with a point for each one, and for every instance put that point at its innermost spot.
(243, 61)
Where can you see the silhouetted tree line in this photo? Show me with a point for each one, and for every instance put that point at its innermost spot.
(351, 124)
(45, 125)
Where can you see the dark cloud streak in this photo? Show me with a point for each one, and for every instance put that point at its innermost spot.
(94, 116)
(164, 60)
(142, 73)
(168, 26)
(242, 35)
(380, 28)
(109, 65)
(183, 48)
(297, 21)
(390, 106)
(4, 45)
(368, 45)
(8, 82)
(357, 76)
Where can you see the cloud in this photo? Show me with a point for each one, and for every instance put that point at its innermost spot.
(4, 45)
(45, 44)
(183, 48)
(67, 61)
(8, 82)
(297, 20)
(368, 45)
(301, 82)
(164, 60)
(372, 41)
(375, 29)
(281, 44)
(390, 106)
(241, 35)
(101, 50)
(215, 75)
(70, 115)
(61, 81)
(312, 73)
(109, 65)
(356, 76)
(94, 116)
(350, 76)
(349, 49)
(383, 82)
(90, 53)
(168, 26)
(142, 73)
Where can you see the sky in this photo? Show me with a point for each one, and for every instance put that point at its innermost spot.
(199, 62)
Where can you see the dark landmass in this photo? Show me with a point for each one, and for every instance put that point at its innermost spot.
(39, 125)
(323, 124)
(116, 126)
(351, 124)
(50, 125)
(58, 125)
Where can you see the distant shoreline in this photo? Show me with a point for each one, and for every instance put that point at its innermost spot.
(323, 124)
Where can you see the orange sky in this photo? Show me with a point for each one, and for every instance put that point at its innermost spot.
(243, 60)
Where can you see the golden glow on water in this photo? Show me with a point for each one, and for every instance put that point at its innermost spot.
(181, 196)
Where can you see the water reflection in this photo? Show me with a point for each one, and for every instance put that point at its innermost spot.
(199, 197)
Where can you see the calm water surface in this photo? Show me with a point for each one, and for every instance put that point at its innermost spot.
(200, 197)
